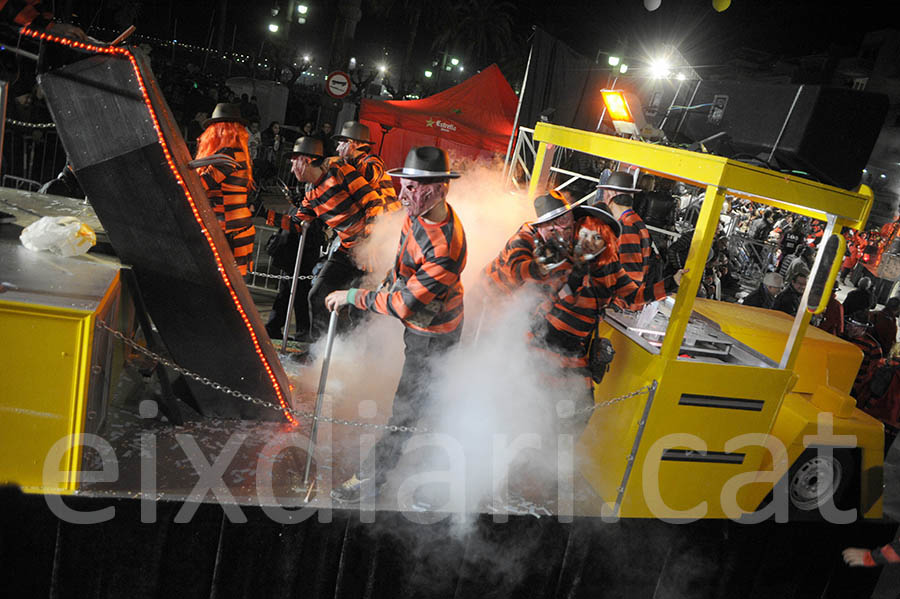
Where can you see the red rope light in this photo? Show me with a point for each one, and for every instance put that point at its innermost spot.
(113, 50)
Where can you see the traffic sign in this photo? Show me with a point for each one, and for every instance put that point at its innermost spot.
(338, 85)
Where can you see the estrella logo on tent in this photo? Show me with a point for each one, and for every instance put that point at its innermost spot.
(442, 125)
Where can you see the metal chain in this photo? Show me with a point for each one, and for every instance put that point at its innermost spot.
(31, 125)
(284, 277)
(246, 396)
(614, 400)
(300, 413)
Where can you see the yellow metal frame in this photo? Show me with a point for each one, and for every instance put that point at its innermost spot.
(790, 399)
(44, 390)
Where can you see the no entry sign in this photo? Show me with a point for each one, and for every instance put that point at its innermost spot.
(338, 84)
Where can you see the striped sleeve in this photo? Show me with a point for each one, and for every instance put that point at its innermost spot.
(426, 292)
(634, 246)
(26, 13)
(889, 554)
(372, 168)
(634, 296)
(516, 264)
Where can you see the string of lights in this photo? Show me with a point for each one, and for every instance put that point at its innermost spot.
(170, 160)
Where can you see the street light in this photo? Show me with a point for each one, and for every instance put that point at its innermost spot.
(302, 9)
(273, 27)
(460, 68)
(428, 74)
(307, 58)
(623, 68)
(382, 68)
(613, 61)
(454, 61)
(659, 69)
(681, 76)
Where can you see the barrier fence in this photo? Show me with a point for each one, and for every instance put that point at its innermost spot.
(31, 156)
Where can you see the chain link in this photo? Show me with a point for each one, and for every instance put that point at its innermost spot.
(614, 400)
(31, 125)
(300, 413)
(282, 277)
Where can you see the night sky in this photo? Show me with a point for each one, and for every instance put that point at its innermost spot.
(705, 37)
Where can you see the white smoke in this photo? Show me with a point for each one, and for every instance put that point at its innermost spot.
(499, 386)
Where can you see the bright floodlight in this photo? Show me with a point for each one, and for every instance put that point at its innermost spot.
(623, 68)
(681, 76)
(273, 27)
(460, 68)
(659, 69)
(428, 74)
(454, 61)
(382, 68)
(613, 61)
(307, 58)
(302, 9)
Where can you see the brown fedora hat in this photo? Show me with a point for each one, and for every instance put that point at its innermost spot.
(308, 146)
(426, 162)
(225, 112)
(549, 206)
(620, 181)
(354, 131)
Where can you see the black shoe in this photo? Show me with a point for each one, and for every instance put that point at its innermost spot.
(353, 490)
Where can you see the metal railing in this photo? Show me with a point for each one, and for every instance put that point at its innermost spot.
(262, 263)
(522, 159)
(749, 258)
(31, 157)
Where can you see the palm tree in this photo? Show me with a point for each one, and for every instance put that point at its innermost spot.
(418, 14)
(481, 29)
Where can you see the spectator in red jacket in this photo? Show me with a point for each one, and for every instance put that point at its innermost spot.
(833, 317)
(884, 324)
(856, 327)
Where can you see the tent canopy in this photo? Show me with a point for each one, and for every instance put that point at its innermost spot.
(472, 119)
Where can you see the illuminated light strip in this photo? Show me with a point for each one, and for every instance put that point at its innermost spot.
(111, 50)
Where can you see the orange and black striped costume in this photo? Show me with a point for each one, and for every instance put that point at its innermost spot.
(25, 13)
(372, 168)
(226, 188)
(516, 266)
(889, 554)
(573, 315)
(634, 246)
(341, 198)
(423, 289)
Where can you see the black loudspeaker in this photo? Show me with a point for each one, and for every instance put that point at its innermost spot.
(824, 133)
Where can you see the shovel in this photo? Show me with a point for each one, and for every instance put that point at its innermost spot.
(320, 395)
(290, 307)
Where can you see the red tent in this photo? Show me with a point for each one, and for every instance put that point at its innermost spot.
(470, 120)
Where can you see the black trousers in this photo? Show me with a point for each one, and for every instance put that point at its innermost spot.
(338, 272)
(280, 306)
(412, 398)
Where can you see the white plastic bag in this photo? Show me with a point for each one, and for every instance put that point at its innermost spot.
(62, 235)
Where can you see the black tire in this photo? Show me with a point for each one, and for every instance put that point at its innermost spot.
(816, 479)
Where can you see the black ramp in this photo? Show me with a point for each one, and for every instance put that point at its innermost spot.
(164, 228)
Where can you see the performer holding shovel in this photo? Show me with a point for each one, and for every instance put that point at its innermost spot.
(424, 291)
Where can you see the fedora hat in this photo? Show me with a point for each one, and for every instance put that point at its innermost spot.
(425, 163)
(308, 146)
(549, 206)
(620, 181)
(583, 209)
(859, 318)
(353, 131)
(225, 112)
